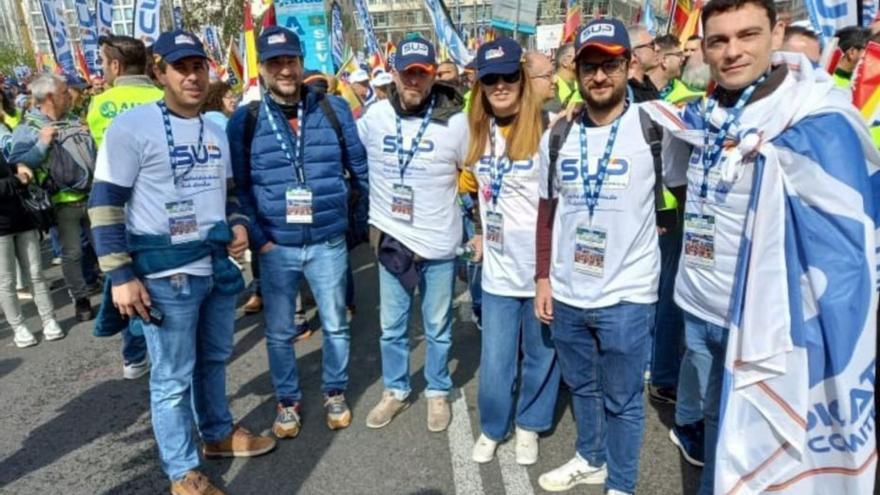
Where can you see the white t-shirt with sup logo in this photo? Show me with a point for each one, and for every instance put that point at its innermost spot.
(616, 258)
(509, 265)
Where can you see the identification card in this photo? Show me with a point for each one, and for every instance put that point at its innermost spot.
(402, 203)
(182, 223)
(589, 251)
(494, 234)
(699, 240)
(299, 205)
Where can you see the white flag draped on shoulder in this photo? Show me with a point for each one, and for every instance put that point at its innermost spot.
(798, 402)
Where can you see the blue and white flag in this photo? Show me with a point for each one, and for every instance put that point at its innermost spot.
(146, 20)
(337, 36)
(367, 23)
(647, 20)
(827, 16)
(308, 20)
(104, 17)
(212, 43)
(53, 15)
(869, 12)
(88, 35)
(797, 408)
(446, 33)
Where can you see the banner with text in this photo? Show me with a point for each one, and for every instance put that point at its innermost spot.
(367, 24)
(146, 20)
(104, 17)
(53, 15)
(88, 35)
(307, 19)
(337, 36)
(447, 36)
(827, 16)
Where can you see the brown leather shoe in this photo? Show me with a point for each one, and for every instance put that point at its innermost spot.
(194, 483)
(254, 304)
(239, 443)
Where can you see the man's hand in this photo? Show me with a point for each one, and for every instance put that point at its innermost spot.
(47, 133)
(239, 243)
(267, 247)
(132, 299)
(476, 242)
(24, 174)
(543, 300)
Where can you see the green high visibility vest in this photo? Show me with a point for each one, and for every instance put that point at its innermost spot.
(108, 105)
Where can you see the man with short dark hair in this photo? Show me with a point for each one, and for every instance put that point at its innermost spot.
(163, 195)
(670, 61)
(123, 60)
(851, 41)
(799, 39)
(693, 44)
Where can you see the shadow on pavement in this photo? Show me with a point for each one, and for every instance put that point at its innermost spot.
(8, 366)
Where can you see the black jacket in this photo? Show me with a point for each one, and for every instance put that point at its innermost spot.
(13, 217)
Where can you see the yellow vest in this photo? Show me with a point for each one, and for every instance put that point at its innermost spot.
(13, 120)
(122, 97)
(842, 79)
(875, 134)
(681, 94)
(567, 94)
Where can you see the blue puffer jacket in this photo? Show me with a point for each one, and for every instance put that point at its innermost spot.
(263, 178)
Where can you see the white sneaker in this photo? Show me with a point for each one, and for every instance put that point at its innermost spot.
(52, 331)
(133, 371)
(526, 447)
(23, 337)
(574, 472)
(484, 449)
(615, 492)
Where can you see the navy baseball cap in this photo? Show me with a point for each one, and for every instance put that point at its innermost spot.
(417, 52)
(277, 41)
(501, 56)
(607, 35)
(175, 45)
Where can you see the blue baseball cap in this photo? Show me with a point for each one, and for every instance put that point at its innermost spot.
(277, 41)
(178, 44)
(607, 35)
(501, 56)
(417, 52)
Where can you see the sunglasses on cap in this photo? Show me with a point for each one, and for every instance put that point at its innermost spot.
(492, 79)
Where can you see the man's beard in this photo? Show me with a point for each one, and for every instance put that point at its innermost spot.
(616, 96)
(696, 75)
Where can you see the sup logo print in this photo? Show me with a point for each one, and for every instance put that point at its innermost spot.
(414, 49)
(601, 30)
(183, 39)
(277, 38)
(495, 53)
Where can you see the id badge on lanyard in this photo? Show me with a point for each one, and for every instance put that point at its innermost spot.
(494, 234)
(182, 223)
(699, 240)
(589, 251)
(402, 203)
(298, 202)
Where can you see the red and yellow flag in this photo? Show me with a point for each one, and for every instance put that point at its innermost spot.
(573, 16)
(866, 84)
(692, 26)
(81, 63)
(679, 15)
(234, 69)
(344, 88)
(250, 47)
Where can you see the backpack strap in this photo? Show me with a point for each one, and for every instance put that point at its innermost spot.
(324, 103)
(558, 135)
(250, 126)
(653, 134)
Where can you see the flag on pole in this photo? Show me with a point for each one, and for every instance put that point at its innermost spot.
(344, 88)
(828, 16)
(866, 84)
(88, 36)
(59, 39)
(447, 36)
(390, 53)
(679, 16)
(693, 26)
(146, 20)
(104, 17)
(251, 69)
(573, 16)
(337, 36)
(82, 65)
(269, 18)
(367, 24)
(234, 67)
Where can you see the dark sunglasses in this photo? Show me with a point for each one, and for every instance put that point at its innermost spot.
(492, 79)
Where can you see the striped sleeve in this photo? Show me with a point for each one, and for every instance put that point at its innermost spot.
(107, 215)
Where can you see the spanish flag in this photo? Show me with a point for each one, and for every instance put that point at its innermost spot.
(344, 88)
(866, 84)
(572, 20)
(692, 26)
(680, 13)
(250, 46)
(234, 69)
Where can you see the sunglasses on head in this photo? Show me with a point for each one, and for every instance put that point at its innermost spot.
(492, 79)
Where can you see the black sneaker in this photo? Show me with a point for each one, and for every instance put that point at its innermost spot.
(690, 441)
(662, 395)
(84, 311)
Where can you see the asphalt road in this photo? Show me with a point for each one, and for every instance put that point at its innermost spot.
(70, 424)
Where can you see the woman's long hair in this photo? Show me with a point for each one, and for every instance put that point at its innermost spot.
(525, 131)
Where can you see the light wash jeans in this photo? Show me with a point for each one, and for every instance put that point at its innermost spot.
(25, 248)
(518, 368)
(602, 353)
(188, 374)
(324, 265)
(435, 287)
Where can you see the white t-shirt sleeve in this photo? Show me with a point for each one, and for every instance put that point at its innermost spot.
(676, 155)
(544, 164)
(124, 146)
(459, 122)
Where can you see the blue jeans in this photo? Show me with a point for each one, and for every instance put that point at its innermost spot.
(324, 265)
(602, 353)
(134, 347)
(475, 287)
(435, 287)
(510, 329)
(669, 323)
(188, 373)
(706, 345)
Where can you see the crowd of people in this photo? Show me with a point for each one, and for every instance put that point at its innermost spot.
(601, 244)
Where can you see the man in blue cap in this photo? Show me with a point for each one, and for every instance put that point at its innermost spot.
(290, 155)
(162, 197)
(599, 291)
(416, 142)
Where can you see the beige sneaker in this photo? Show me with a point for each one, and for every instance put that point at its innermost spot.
(438, 414)
(239, 443)
(385, 410)
(194, 483)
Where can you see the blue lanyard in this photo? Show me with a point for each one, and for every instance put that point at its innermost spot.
(293, 151)
(591, 194)
(498, 167)
(169, 140)
(403, 160)
(712, 149)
